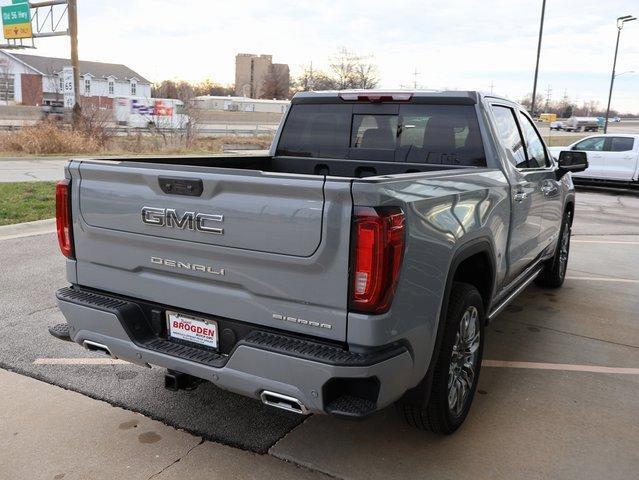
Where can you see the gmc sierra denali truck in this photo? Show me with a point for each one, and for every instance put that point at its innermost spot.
(352, 267)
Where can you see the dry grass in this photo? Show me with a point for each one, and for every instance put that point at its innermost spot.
(150, 144)
(47, 138)
(562, 140)
(50, 138)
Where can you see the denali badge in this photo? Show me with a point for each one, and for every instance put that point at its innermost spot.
(196, 267)
(168, 217)
(301, 321)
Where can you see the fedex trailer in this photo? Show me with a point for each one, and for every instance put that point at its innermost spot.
(139, 112)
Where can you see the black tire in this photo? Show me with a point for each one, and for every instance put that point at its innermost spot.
(438, 416)
(554, 271)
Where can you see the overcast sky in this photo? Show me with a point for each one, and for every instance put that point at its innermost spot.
(466, 44)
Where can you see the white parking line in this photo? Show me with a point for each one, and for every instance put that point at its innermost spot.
(79, 361)
(486, 363)
(604, 279)
(560, 366)
(618, 242)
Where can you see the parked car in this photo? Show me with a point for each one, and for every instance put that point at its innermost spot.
(54, 112)
(354, 266)
(577, 124)
(612, 158)
(558, 125)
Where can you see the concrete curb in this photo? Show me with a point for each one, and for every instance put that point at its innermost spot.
(27, 229)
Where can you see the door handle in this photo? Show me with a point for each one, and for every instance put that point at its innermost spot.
(520, 196)
(549, 189)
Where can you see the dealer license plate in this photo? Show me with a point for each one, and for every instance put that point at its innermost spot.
(191, 329)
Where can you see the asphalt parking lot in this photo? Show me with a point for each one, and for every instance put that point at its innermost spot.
(558, 394)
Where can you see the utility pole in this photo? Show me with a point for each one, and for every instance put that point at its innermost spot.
(415, 73)
(541, 32)
(75, 62)
(548, 93)
(620, 22)
(311, 82)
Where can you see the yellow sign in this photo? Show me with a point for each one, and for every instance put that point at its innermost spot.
(17, 30)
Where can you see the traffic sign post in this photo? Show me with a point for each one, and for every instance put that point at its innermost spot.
(16, 21)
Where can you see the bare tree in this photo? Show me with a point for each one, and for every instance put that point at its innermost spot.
(353, 71)
(180, 90)
(311, 79)
(209, 87)
(275, 84)
(365, 75)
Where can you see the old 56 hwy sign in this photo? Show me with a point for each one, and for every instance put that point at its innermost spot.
(16, 21)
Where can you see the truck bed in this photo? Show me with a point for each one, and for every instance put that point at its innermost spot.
(296, 165)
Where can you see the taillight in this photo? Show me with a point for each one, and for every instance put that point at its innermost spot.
(63, 217)
(378, 248)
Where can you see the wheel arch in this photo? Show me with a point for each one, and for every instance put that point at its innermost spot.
(476, 248)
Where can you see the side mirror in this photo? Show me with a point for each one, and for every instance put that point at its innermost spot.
(571, 161)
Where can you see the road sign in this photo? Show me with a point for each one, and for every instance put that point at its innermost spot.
(16, 21)
(68, 89)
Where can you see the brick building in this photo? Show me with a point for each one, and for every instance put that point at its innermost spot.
(35, 80)
(253, 73)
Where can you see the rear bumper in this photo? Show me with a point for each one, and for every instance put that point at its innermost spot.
(324, 378)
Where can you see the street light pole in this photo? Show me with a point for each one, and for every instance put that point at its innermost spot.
(620, 22)
(541, 32)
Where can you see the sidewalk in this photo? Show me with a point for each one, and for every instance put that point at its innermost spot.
(27, 229)
(50, 433)
(32, 169)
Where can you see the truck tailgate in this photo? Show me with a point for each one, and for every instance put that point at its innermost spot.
(273, 250)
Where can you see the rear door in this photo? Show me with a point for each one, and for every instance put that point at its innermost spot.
(620, 158)
(240, 244)
(527, 197)
(540, 166)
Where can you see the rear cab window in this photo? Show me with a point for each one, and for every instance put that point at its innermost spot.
(537, 156)
(408, 133)
(510, 135)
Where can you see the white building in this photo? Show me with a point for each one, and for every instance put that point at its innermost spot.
(240, 104)
(34, 80)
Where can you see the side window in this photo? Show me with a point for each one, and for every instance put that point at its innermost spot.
(621, 144)
(593, 144)
(510, 136)
(537, 157)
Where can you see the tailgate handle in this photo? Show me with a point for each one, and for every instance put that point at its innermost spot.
(181, 186)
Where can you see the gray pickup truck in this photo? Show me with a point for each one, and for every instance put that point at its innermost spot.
(352, 267)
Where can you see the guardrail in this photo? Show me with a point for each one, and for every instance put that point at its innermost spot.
(234, 129)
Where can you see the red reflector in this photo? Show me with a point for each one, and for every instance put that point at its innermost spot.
(63, 217)
(378, 236)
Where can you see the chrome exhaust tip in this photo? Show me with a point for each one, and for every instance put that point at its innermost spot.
(283, 402)
(97, 347)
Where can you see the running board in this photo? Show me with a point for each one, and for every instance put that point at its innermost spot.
(504, 303)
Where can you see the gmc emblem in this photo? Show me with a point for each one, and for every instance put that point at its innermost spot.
(168, 217)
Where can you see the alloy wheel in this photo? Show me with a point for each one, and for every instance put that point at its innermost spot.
(463, 361)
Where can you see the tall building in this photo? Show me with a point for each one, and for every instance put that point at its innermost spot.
(256, 76)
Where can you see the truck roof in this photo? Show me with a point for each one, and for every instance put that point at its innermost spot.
(467, 97)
